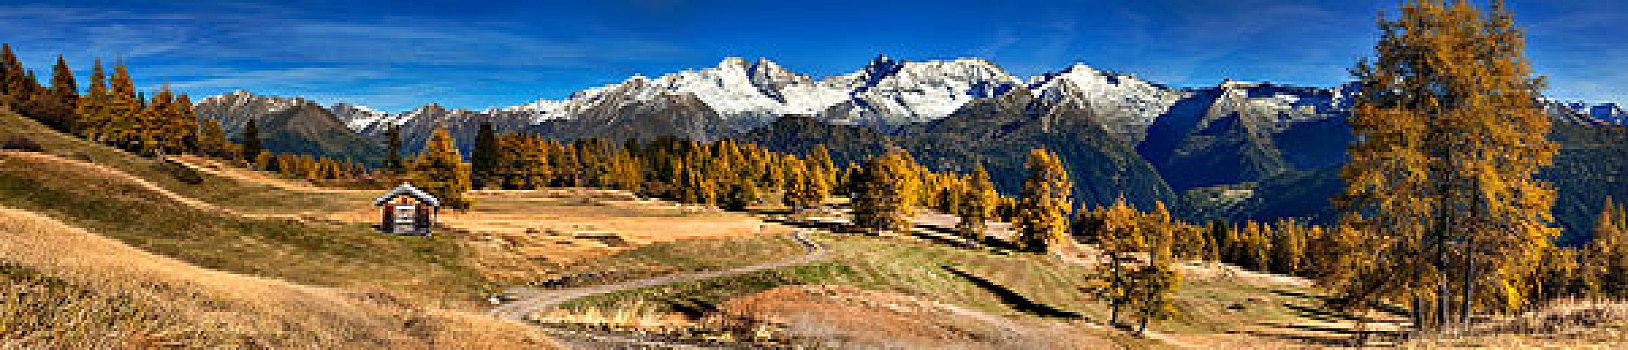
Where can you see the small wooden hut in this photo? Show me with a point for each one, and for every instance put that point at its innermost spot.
(406, 210)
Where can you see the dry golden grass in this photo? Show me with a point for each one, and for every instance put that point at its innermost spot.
(849, 317)
(221, 168)
(635, 318)
(1571, 324)
(69, 288)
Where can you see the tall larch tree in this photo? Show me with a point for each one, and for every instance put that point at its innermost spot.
(211, 138)
(820, 162)
(1045, 202)
(887, 190)
(1607, 255)
(802, 183)
(524, 162)
(1120, 235)
(978, 206)
(190, 125)
(738, 193)
(171, 127)
(442, 172)
(625, 172)
(1153, 286)
(57, 103)
(1450, 136)
(126, 127)
(693, 185)
(13, 76)
(93, 108)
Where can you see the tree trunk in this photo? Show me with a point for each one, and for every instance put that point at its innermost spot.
(1469, 286)
(1418, 313)
(1115, 287)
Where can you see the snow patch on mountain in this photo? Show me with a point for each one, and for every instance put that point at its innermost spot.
(1127, 104)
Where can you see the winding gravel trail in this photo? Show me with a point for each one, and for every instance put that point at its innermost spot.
(532, 300)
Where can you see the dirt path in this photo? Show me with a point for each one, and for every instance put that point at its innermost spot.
(533, 300)
(121, 175)
(217, 168)
(138, 181)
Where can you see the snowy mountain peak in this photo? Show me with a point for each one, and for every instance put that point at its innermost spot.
(881, 66)
(733, 62)
(356, 117)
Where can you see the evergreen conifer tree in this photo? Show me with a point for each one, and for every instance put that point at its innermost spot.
(56, 105)
(484, 158)
(251, 141)
(13, 76)
(392, 158)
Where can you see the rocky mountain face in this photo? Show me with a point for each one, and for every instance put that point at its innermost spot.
(290, 125)
(234, 110)
(743, 95)
(1610, 113)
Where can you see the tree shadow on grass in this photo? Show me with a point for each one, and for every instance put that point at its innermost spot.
(1013, 299)
(1393, 310)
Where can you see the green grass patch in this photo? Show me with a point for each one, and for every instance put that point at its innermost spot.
(696, 298)
(676, 257)
(918, 268)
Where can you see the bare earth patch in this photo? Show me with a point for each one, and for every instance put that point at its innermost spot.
(849, 317)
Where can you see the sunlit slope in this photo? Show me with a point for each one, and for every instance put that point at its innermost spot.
(64, 285)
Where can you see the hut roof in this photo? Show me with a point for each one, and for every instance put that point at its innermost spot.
(408, 190)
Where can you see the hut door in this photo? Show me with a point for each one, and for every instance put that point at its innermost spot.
(404, 218)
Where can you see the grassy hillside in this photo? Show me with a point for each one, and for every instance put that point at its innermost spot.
(110, 200)
(1018, 287)
(238, 195)
(63, 285)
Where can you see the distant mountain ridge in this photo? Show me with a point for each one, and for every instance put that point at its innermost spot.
(1237, 150)
(886, 93)
(290, 125)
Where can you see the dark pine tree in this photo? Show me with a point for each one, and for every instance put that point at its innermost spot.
(251, 141)
(392, 161)
(63, 83)
(486, 156)
(12, 74)
(59, 101)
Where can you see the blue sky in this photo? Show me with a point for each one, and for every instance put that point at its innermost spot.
(477, 54)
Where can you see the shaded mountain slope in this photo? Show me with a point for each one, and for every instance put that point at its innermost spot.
(310, 129)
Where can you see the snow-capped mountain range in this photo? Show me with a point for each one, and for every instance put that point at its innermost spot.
(885, 92)
(740, 94)
(1606, 112)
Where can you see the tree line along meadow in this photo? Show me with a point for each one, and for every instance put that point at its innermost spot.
(1442, 212)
